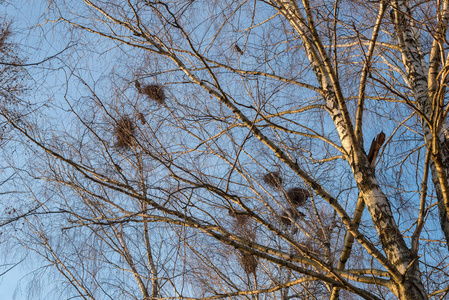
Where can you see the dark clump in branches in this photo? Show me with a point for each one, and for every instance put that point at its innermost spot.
(152, 91)
(4, 35)
(273, 179)
(124, 131)
(238, 49)
(249, 262)
(11, 81)
(142, 118)
(290, 215)
(241, 218)
(298, 196)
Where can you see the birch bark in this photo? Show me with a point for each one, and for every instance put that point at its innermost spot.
(407, 281)
(426, 84)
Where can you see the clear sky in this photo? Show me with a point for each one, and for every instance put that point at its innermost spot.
(9, 283)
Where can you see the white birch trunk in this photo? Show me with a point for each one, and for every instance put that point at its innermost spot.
(408, 284)
(425, 88)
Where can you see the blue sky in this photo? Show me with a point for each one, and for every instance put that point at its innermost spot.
(39, 42)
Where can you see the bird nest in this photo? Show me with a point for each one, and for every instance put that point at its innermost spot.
(249, 262)
(124, 132)
(152, 91)
(298, 196)
(273, 179)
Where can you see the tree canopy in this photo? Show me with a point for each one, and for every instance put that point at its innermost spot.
(264, 149)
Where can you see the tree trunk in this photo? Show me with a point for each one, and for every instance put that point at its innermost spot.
(405, 275)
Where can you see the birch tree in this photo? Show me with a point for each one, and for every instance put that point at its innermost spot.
(246, 149)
